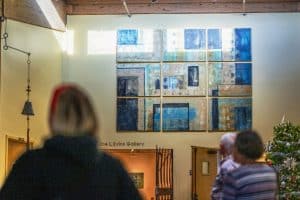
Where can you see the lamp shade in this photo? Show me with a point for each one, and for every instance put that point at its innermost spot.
(27, 109)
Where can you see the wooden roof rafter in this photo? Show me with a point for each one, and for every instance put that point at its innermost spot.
(115, 7)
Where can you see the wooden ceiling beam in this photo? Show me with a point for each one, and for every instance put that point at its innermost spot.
(106, 2)
(183, 8)
(45, 13)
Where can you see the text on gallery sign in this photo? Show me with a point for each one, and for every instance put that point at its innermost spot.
(122, 144)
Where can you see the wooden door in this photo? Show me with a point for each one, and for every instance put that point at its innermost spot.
(204, 170)
(15, 148)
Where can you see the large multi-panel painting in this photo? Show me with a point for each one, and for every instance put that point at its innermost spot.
(192, 79)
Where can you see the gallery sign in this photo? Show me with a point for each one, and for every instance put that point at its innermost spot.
(121, 144)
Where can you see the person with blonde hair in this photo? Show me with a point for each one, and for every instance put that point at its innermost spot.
(226, 165)
(69, 166)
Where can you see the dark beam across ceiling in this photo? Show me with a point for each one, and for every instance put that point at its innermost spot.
(107, 2)
(30, 11)
(77, 7)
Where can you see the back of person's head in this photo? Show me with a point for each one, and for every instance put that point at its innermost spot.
(71, 112)
(227, 142)
(249, 144)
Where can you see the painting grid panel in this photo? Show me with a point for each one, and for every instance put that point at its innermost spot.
(184, 79)
(175, 114)
(151, 123)
(229, 79)
(139, 45)
(230, 114)
(135, 114)
(184, 45)
(148, 76)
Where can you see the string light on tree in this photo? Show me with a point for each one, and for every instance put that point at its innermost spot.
(284, 155)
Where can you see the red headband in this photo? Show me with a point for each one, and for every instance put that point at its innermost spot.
(55, 96)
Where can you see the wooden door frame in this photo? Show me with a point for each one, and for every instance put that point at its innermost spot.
(15, 139)
(194, 171)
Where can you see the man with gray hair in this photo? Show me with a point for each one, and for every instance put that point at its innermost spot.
(226, 165)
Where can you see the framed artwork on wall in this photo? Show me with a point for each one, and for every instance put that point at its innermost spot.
(190, 79)
(138, 179)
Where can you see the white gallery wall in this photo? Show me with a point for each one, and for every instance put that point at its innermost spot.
(276, 71)
(46, 59)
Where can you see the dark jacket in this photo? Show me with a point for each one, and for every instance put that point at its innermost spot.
(68, 168)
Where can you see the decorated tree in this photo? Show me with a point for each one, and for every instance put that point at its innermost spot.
(283, 154)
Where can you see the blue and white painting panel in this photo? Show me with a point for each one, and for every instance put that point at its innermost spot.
(194, 39)
(243, 44)
(136, 45)
(214, 44)
(138, 79)
(184, 79)
(181, 114)
(130, 114)
(184, 45)
(229, 79)
(230, 114)
(236, 44)
(175, 117)
(229, 44)
(127, 37)
(152, 121)
(135, 114)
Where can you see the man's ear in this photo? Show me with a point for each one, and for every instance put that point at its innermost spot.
(222, 149)
(237, 157)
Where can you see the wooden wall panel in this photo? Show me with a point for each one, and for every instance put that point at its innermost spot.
(29, 11)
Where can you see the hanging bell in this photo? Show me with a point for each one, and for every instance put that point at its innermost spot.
(27, 109)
